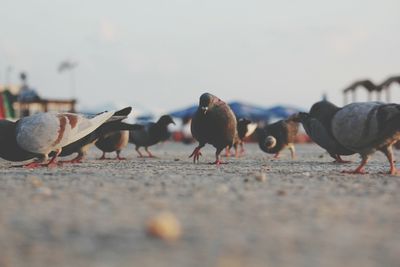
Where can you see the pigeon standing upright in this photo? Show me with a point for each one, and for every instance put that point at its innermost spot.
(274, 137)
(367, 127)
(151, 134)
(213, 123)
(317, 124)
(42, 133)
(115, 141)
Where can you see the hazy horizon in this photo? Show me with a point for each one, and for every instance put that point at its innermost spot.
(163, 54)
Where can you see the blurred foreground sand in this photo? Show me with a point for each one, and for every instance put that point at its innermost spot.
(305, 213)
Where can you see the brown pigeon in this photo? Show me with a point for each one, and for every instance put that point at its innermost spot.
(213, 123)
(115, 141)
(274, 137)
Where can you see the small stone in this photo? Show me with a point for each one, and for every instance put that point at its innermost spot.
(44, 191)
(222, 189)
(261, 177)
(35, 181)
(164, 226)
(281, 193)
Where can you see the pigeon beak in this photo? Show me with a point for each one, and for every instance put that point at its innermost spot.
(204, 109)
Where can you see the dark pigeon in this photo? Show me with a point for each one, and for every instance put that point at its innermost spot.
(82, 145)
(274, 137)
(367, 127)
(317, 124)
(9, 148)
(213, 123)
(151, 134)
(115, 141)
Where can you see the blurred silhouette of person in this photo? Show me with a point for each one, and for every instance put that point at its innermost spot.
(26, 94)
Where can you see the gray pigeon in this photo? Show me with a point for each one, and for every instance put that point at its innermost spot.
(213, 123)
(115, 141)
(317, 124)
(274, 137)
(150, 134)
(367, 127)
(40, 134)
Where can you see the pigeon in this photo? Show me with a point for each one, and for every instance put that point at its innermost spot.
(274, 137)
(115, 141)
(9, 148)
(82, 145)
(366, 127)
(317, 124)
(213, 123)
(37, 135)
(245, 128)
(151, 134)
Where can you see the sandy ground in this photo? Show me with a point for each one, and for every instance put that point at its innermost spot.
(307, 213)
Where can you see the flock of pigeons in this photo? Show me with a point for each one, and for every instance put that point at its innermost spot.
(362, 128)
(49, 134)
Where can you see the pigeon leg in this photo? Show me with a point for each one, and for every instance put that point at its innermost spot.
(35, 164)
(218, 157)
(389, 154)
(276, 156)
(340, 160)
(241, 148)
(103, 157)
(118, 157)
(292, 151)
(237, 154)
(137, 150)
(227, 151)
(149, 153)
(196, 153)
(53, 163)
(360, 168)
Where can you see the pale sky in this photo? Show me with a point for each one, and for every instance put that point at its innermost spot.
(164, 54)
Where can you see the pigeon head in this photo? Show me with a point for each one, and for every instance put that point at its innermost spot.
(244, 122)
(300, 117)
(270, 142)
(323, 110)
(165, 120)
(206, 101)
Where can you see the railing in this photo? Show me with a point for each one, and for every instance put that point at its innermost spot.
(23, 109)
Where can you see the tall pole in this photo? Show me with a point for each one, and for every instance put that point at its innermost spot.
(72, 82)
